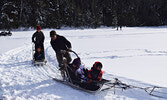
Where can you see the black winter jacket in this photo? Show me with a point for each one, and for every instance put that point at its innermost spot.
(38, 38)
(60, 43)
(71, 71)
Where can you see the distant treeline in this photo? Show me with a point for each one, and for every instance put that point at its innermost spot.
(82, 13)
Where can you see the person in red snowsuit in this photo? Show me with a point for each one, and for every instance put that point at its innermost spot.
(95, 73)
(94, 76)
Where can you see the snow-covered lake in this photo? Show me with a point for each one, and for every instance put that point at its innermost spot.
(136, 56)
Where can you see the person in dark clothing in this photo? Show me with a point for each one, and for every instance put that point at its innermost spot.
(72, 70)
(39, 56)
(75, 64)
(38, 38)
(61, 46)
(81, 73)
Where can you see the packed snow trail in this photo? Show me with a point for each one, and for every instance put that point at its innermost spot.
(21, 80)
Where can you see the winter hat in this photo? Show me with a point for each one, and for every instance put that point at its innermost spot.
(97, 63)
(77, 62)
(52, 33)
(38, 27)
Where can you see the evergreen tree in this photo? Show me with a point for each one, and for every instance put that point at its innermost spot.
(82, 13)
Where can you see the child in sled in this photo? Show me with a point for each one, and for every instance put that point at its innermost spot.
(39, 55)
(77, 71)
(94, 76)
(95, 73)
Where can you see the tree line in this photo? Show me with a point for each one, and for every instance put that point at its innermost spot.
(82, 13)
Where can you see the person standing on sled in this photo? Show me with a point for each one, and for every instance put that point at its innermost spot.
(61, 46)
(38, 39)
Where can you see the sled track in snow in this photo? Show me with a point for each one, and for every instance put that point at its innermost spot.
(47, 70)
(18, 70)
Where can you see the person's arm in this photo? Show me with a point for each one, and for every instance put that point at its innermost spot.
(43, 37)
(100, 76)
(68, 44)
(33, 36)
(54, 46)
(89, 77)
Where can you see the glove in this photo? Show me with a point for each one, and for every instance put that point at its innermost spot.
(63, 51)
(69, 49)
(83, 81)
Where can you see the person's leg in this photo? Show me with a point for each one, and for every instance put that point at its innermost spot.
(59, 59)
(68, 57)
(61, 66)
(43, 50)
(36, 46)
(42, 47)
(43, 56)
(35, 57)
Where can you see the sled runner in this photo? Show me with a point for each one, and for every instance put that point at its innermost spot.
(76, 86)
(35, 61)
(39, 63)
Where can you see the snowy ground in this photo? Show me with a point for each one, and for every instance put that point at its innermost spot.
(136, 56)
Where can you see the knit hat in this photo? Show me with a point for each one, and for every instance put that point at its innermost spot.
(77, 62)
(96, 64)
(38, 27)
(52, 33)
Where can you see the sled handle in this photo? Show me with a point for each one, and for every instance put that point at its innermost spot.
(73, 52)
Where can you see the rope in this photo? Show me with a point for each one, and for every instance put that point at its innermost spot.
(123, 86)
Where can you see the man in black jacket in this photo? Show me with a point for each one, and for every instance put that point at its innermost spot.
(38, 38)
(61, 46)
